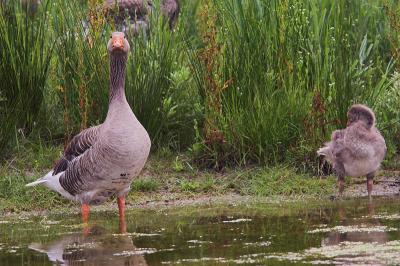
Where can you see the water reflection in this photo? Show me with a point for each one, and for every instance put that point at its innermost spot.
(353, 232)
(348, 232)
(96, 248)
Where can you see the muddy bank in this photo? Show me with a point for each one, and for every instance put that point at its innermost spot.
(384, 186)
(387, 184)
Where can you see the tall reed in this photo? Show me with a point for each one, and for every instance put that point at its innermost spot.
(294, 69)
(159, 87)
(25, 54)
(82, 64)
(156, 72)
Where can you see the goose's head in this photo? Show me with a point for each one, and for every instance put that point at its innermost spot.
(361, 113)
(118, 44)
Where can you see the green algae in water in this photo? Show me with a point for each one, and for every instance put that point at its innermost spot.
(348, 232)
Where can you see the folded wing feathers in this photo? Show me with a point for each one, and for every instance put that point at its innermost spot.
(60, 166)
(78, 145)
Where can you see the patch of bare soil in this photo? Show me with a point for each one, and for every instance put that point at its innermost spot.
(387, 184)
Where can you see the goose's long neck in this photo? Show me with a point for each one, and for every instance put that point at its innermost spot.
(117, 78)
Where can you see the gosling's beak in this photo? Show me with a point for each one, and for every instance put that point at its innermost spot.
(118, 44)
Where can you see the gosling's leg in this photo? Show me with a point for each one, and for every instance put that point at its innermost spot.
(339, 169)
(121, 208)
(340, 184)
(370, 183)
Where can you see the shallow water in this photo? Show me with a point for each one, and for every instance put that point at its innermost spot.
(336, 233)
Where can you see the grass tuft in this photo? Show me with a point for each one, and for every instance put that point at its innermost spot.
(25, 54)
(285, 181)
(144, 185)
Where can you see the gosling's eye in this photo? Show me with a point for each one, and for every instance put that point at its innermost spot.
(110, 36)
(124, 37)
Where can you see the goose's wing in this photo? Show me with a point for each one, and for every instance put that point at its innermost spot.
(78, 145)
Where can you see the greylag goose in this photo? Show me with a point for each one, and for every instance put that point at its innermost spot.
(30, 6)
(102, 161)
(135, 12)
(356, 150)
(170, 9)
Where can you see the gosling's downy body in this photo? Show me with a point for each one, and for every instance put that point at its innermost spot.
(102, 161)
(358, 149)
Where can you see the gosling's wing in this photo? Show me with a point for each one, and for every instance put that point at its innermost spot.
(360, 141)
(379, 144)
(331, 149)
(78, 145)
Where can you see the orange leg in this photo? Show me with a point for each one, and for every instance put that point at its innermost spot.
(85, 218)
(85, 212)
(340, 172)
(121, 207)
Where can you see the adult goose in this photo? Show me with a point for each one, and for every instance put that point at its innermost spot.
(130, 16)
(170, 9)
(102, 161)
(358, 149)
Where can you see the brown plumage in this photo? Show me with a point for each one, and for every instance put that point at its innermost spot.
(358, 149)
(102, 161)
(129, 15)
(30, 6)
(170, 9)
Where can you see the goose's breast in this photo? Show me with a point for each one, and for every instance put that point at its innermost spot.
(126, 147)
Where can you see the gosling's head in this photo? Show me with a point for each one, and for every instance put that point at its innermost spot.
(118, 44)
(359, 112)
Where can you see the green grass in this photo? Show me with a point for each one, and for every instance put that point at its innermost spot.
(25, 54)
(240, 82)
(189, 186)
(285, 181)
(293, 69)
(30, 161)
(144, 185)
(158, 82)
(159, 180)
(257, 83)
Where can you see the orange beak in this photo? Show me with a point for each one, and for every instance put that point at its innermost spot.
(118, 43)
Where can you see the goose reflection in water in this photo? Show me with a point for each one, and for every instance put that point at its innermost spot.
(97, 248)
(335, 238)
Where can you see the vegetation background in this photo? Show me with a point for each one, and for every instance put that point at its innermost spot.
(254, 84)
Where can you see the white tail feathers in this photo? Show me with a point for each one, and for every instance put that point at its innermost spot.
(53, 182)
(35, 183)
(41, 180)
